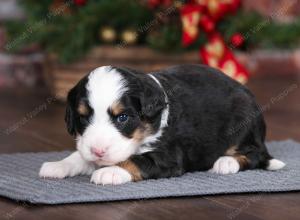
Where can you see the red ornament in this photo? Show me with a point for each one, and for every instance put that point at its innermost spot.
(217, 9)
(156, 3)
(199, 16)
(216, 54)
(80, 2)
(153, 3)
(190, 17)
(237, 39)
(207, 23)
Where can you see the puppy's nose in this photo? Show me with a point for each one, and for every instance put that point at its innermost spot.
(97, 151)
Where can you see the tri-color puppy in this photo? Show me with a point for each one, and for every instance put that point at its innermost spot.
(131, 126)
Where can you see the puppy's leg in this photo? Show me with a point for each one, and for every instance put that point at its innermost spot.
(114, 175)
(236, 159)
(246, 157)
(257, 157)
(226, 165)
(149, 165)
(123, 172)
(70, 166)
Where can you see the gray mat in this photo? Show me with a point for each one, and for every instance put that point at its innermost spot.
(19, 180)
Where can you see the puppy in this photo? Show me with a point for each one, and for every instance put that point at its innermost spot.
(132, 126)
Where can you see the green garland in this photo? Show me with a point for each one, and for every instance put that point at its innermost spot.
(258, 32)
(262, 32)
(70, 36)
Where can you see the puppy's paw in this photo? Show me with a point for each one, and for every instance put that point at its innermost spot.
(225, 165)
(57, 170)
(113, 175)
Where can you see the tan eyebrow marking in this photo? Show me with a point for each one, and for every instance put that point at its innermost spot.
(82, 109)
(117, 108)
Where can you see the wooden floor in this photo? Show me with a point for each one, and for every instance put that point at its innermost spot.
(32, 121)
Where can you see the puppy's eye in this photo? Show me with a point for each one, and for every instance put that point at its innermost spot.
(122, 118)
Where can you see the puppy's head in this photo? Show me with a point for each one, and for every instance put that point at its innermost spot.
(113, 112)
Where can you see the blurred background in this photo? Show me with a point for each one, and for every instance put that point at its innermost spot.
(46, 46)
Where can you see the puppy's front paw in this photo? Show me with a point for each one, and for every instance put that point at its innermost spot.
(113, 175)
(57, 170)
(225, 165)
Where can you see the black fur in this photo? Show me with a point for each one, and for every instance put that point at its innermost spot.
(75, 122)
(146, 94)
(208, 113)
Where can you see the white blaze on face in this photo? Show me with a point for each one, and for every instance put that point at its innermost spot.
(105, 86)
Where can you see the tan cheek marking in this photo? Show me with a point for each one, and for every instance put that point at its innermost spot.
(242, 159)
(82, 109)
(117, 108)
(142, 132)
(132, 169)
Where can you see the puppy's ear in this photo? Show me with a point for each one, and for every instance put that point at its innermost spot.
(69, 119)
(70, 115)
(152, 101)
(147, 96)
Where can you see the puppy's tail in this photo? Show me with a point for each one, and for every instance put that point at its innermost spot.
(274, 164)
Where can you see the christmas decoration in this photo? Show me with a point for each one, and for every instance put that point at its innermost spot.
(190, 17)
(207, 24)
(203, 15)
(129, 37)
(237, 40)
(156, 3)
(71, 37)
(108, 35)
(80, 2)
(77, 25)
(59, 7)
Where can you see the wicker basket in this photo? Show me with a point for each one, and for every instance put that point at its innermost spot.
(62, 77)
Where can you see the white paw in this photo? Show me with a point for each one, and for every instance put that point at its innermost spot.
(57, 169)
(275, 164)
(225, 165)
(113, 175)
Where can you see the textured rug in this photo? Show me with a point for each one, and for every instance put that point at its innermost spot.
(19, 180)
